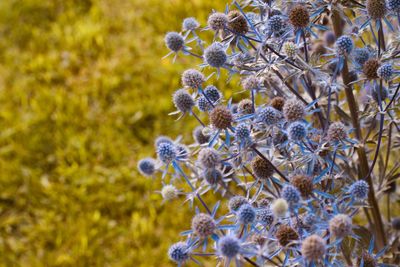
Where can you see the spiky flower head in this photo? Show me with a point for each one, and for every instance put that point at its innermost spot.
(262, 169)
(242, 131)
(299, 16)
(179, 252)
(166, 152)
(212, 176)
(286, 234)
(258, 239)
(221, 117)
(162, 139)
(229, 246)
(393, 5)
(293, 110)
(212, 93)
(193, 78)
(276, 23)
(217, 21)
(297, 131)
(269, 115)
(344, 45)
(203, 104)
(183, 101)
(313, 248)
(169, 192)
(376, 9)
(279, 207)
(370, 68)
(367, 260)
(203, 225)
(396, 223)
(147, 166)
(199, 136)
(385, 72)
(237, 22)
(236, 202)
(174, 41)
(277, 103)
(291, 194)
(246, 214)
(251, 82)
(337, 132)
(361, 55)
(290, 49)
(265, 216)
(190, 24)
(245, 106)
(215, 55)
(304, 184)
(340, 225)
(359, 189)
(209, 157)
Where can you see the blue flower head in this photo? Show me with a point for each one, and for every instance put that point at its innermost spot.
(174, 41)
(291, 194)
(269, 115)
(190, 24)
(394, 5)
(359, 189)
(276, 24)
(215, 55)
(229, 246)
(385, 72)
(166, 152)
(179, 252)
(344, 45)
(297, 131)
(242, 131)
(212, 93)
(246, 214)
(147, 166)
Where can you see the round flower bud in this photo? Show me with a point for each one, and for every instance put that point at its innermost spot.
(276, 24)
(361, 55)
(304, 184)
(246, 214)
(174, 41)
(396, 223)
(370, 68)
(169, 192)
(203, 104)
(394, 5)
(269, 115)
(217, 21)
(340, 225)
(337, 132)
(190, 24)
(290, 49)
(376, 9)
(383, 93)
(236, 202)
(221, 117)
(245, 106)
(212, 93)
(183, 101)
(286, 234)
(162, 139)
(209, 158)
(237, 22)
(265, 217)
(278, 103)
(215, 55)
(385, 72)
(193, 78)
(367, 259)
(359, 189)
(203, 225)
(262, 169)
(258, 239)
(291, 194)
(299, 16)
(313, 248)
(229, 246)
(279, 207)
(251, 83)
(166, 152)
(344, 45)
(199, 136)
(212, 176)
(179, 252)
(147, 166)
(293, 110)
(297, 131)
(242, 132)
(329, 38)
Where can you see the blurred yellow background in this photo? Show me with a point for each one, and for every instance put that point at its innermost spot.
(83, 93)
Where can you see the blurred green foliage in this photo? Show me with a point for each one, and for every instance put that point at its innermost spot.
(83, 92)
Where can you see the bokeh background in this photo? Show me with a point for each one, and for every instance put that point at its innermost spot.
(83, 93)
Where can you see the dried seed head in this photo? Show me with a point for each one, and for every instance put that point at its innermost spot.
(236, 202)
(344, 45)
(169, 192)
(376, 9)
(166, 152)
(313, 248)
(269, 115)
(221, 117)
(183, 101)
(246, 214)
(259, 239)
(337, 132)
(278, 103)
(279, 207)
(193, 78)
(304, 184)
(297, 131)
(285, 235)
(251, 82)
(385, 72)
(203, 225)
(147, 166)
(367, 259)
(190, 24)
(237, 22)
(215, 55)
(217, 21)
(291, 194)
(329, 38)
(179, 252)
(299, 16)
(212, 176)
(265, 217)
(174, 41)
(359, 189)
(396, 224)
(340, 225)
(199, 136)
(290, 49)
(293, 110)
(370, 68)
(209, 158)
(245, 106)
(229, 246)
(262, 169)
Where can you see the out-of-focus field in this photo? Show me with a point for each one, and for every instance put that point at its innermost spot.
(83, 92)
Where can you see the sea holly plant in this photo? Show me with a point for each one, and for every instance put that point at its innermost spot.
(303, 157)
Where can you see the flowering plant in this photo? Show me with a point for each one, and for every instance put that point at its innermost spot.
(301, 162)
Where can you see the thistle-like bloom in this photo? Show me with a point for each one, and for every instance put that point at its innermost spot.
(174, 41)
(297, 131)
(344, 45)
(359, 189)
(147, 166)
(313, 248)
(183, 101)
(193, 78)
(169, 192)
(209, 158)
(203, 225)
(215, 55)
(179, 252)
(291, 194)
(229, 246)
(340, 225)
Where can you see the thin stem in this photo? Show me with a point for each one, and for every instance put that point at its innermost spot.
(305, 45)
(198, 119)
